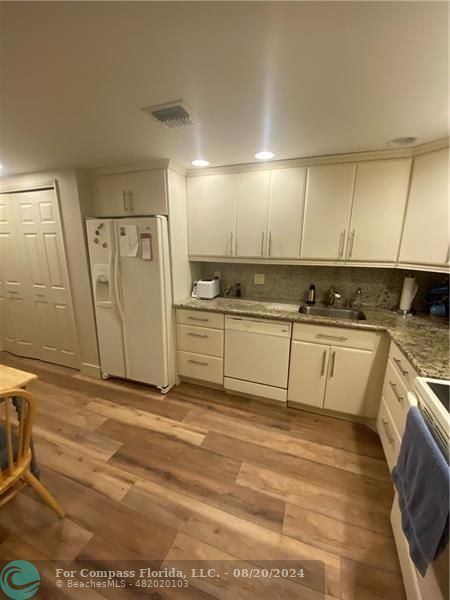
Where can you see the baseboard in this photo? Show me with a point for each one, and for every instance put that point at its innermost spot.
(91, 370)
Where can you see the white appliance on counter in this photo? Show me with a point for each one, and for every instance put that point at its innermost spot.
(257, 357)
(432, 398)
(130, 270)
(206, 289)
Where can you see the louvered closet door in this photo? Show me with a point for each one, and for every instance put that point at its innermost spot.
(39, 229)
(16, 323)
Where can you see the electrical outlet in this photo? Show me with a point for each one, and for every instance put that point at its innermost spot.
(217, 274)
(260, 279)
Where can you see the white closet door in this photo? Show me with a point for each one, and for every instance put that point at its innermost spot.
(329, 191)
(252, 213)
(287, 198)
(39, 229)
(16, 323)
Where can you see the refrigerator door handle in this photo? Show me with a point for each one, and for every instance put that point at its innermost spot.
(117, 298)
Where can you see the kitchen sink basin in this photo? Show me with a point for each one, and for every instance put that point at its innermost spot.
(333, 312)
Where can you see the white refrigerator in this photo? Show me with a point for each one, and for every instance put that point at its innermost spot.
(131, 283)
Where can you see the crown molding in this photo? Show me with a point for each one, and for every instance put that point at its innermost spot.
(310, 161)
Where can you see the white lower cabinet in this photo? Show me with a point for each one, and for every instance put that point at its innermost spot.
(307, 376)
(345, 377)
(335, 368)
(389, 436)
(348, 379)
(200, 345)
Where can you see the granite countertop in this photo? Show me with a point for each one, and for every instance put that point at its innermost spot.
(423, 340)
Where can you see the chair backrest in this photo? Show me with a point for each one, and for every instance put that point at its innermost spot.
(17, 411)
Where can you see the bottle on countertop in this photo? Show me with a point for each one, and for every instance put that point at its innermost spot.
(238, 290)
(311, 295)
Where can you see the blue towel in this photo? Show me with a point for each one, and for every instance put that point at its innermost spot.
(421, 477)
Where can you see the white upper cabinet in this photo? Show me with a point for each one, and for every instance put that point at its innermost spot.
(287, 199)
(252, 213)
(212, 215)
(426, 233)
(379, 200)
(328, 203)
(135, 193)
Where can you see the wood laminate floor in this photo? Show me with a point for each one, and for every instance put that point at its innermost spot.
(200, 474)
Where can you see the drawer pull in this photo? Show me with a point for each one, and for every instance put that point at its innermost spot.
(398, 362)
(396, 394)
(198, 335)
(202, 320)
(198, 362)
(324, 357)
(387, 431)
(338, 338)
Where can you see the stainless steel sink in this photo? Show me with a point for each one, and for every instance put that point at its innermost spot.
(333, 312)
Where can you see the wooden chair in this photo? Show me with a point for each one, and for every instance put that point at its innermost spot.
(15, 451)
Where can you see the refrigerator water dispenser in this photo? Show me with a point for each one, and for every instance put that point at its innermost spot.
(102, 287)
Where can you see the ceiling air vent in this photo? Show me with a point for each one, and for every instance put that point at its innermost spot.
(171, 114)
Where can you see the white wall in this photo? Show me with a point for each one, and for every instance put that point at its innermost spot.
(183, 271)
(75, 201)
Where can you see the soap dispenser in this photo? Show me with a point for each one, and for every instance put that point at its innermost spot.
(311, 295)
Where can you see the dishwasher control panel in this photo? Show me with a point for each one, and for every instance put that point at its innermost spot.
(262, 326)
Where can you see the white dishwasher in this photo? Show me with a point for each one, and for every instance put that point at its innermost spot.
(257, 357)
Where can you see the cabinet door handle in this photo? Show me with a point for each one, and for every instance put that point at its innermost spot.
(351, 241)
(396, 394)
(269, 252)
(448, 253)
(341, 244)
(124, 199)
(231, 243)
(387, 431)
(398, 362)
(130, 201)
(198, 362)
(338, 338)
(198, 335)
(202, 319)
(322, 368)
(262, 243)
(332, 363)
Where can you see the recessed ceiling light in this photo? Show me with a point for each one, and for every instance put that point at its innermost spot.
(200, 162)
(403, 141)
(264, 155)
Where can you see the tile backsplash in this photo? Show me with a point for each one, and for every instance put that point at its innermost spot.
(290, 283)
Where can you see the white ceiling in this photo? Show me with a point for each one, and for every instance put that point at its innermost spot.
(297, 78)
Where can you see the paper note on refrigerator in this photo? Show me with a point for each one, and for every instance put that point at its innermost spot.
(146, 246)
(128, 240)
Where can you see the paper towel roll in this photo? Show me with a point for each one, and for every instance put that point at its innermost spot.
(409, 292)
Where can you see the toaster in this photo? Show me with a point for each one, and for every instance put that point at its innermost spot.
(207, 289)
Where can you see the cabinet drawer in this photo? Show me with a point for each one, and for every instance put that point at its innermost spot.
(389, 436)
(200, 340)
(336, 336)
(403, 366)
(199, 366)
(395, 395)
(200, 318)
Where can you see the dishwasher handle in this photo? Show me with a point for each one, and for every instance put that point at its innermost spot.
(258, 326)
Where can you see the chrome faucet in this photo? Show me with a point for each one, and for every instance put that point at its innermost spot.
(331, 296)
(355, 299)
